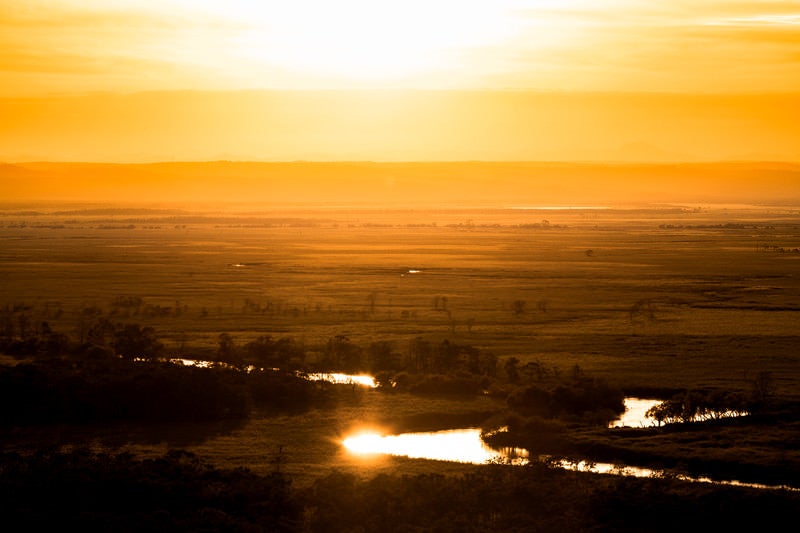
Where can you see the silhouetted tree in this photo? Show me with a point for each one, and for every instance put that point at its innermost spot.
(381, 356)
(282, 353)
(55, 344)
(343, 354)
(100, 331)
(419, 354)
(135, 341)
(763, 388)
(226, 349)
(511, 369)
(261, 351)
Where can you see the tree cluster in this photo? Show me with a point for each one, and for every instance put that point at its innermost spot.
(97, 337)
(62, 391)
(575, 396)
(694, 406)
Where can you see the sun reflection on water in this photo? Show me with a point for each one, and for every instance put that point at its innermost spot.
(458, 445)
(635, 414)
(344, 379)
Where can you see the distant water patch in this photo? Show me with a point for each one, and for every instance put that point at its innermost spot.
(635, 414)
(557, 207)
(343, 379)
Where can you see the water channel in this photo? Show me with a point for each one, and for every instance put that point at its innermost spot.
(466, 445)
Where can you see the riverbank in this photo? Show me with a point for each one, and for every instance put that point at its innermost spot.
(307, 444)
(181, 492)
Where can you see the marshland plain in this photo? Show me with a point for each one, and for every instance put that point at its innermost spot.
(651, 299)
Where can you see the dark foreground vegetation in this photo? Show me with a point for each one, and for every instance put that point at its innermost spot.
(81, 392)
(546, 410)
(82, 491)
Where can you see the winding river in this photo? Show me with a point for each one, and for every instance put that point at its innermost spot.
(466, 445)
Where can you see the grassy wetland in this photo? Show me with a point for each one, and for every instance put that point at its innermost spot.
(535, 319)
(350, 266)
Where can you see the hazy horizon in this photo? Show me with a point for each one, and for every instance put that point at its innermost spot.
(511, 80)
(415, 103)
(406, 184)
(390, 126)
(512, 215)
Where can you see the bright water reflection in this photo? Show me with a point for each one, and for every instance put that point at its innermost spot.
(192, 362)
(467, 446)
(605, 468)
(619, 470)
(343, 379)
(200, 363)
(458, 445)
(337, 378)
(557, 207)
(634, 415)
(179, 361)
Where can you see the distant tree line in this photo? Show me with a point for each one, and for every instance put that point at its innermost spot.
(67, 391)
(341, 354)
(101, 338)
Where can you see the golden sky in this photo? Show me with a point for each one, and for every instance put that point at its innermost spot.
(511, 79)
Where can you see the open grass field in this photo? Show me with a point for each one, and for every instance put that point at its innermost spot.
(672, 297)
(656, 298)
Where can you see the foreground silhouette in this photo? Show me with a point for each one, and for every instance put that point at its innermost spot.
(179, 492)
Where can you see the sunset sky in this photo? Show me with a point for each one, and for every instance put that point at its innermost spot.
(147, 80)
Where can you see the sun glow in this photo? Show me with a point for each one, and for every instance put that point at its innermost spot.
(363, 39)
(458, 445)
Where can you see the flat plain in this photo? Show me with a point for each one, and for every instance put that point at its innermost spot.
(672, 297)
(679, 297)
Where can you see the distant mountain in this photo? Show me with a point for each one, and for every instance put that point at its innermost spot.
(443, 184)
(9, 171)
